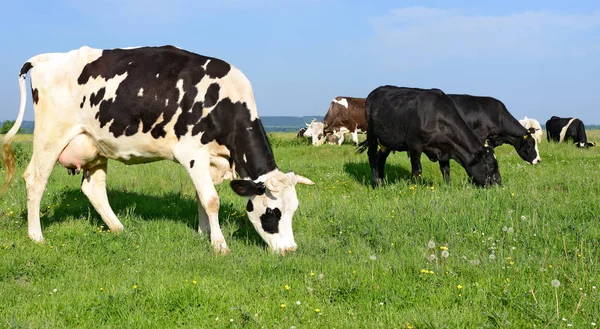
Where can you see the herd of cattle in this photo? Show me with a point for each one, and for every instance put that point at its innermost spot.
(145, 104)
(465, 128)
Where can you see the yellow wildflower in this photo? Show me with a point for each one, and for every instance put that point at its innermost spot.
(443, 248)
(317, 310)
(135, 286)
(287, 287)
(459, 286)
(283, 305)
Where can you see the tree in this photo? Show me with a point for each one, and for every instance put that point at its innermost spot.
(7, 125)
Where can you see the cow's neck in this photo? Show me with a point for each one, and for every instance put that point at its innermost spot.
(513, 134)
(251, 151)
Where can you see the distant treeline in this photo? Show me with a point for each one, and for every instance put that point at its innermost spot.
(271, 124)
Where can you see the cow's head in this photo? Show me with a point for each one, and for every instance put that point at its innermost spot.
(315, 129)
(527, 147)
(484, 170)
(272, 202)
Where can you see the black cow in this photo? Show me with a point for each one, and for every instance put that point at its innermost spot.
(424, 121)
(492, 123)
(563, 129)
(147, 104)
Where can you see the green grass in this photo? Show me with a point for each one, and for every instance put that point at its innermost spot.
(542, 224)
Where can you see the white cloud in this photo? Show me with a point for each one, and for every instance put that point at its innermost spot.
(421, 34)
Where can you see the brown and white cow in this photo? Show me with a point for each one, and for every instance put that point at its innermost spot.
(146, 104)
(345, 115)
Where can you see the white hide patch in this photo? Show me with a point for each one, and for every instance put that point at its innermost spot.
(206, 64)
(343, 102)
(141, 92)
(167, 102)
(244, 157)
(563, 131)
(179, 86)
(157, 75)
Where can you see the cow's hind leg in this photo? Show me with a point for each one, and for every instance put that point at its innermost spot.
(198, 167)
(382, 156)
(93, 186)
(372, 154)
(47, 145)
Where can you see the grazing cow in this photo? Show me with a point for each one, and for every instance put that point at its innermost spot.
(300, 132)
(528, 123)
(424, 121)
(146, 104)
(493, 124)
(345, 114)
(561, 129)
(314, 129)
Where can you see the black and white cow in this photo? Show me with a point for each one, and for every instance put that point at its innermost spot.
(146, 104)
(563, 129)
(300, 133)
(533, 123)
(424, 121)
(492, 123)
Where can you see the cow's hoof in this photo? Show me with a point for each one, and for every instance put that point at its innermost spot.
(221, 247)
(36, 237)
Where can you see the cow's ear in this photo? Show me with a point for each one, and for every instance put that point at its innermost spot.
(247, 188)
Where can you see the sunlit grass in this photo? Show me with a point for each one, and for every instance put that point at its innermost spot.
(413, 254)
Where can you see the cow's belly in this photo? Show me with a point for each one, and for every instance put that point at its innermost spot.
(136, 149)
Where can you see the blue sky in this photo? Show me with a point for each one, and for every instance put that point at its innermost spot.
(541, 58)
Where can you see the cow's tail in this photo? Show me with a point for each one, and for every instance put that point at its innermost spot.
(8, 155)
(362, 146)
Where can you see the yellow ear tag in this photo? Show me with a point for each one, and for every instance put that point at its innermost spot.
(525, 137)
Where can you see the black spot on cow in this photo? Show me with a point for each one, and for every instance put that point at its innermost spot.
(127, 111)
(212, 95)
(230, 124)
(217, 69)
(35, 95)
(270, 220)
(82, 102)
(192, 163)
(250, 206)
(95, 98)
(25, 68)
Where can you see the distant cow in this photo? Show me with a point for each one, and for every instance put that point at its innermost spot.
(314, 129)
(563, 129)
(345, 114)
(140, 105)
(533, 123)
(301, 132)
(424, 121)
(492, 123)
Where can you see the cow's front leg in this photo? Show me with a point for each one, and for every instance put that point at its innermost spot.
(341, 138)
(93, 186)
(203, 222)
(198, 167)
(415, 162)
(355, 137)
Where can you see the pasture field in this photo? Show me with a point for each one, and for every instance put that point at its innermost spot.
(411, 255)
